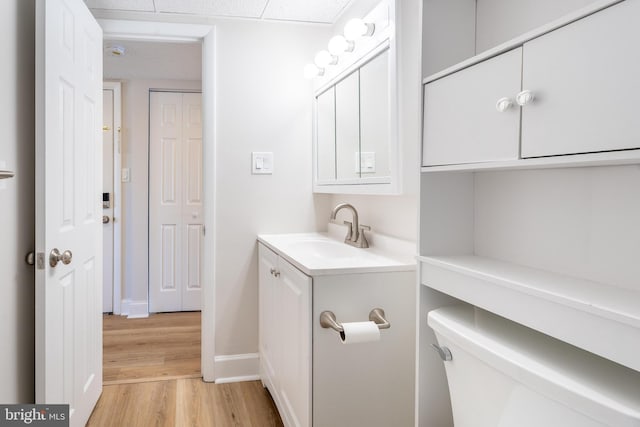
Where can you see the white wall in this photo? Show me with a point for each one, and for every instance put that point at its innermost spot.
(17, 217)
(397, 215)
(501, 20)
(135, 208)
(263, 103)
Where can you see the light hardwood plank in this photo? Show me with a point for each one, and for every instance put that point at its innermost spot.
(185, 402)
(165, 345)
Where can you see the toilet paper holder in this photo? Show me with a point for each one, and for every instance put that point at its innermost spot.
(377, 316)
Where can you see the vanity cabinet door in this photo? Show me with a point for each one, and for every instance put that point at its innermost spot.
(285, 336)
(461, 121)
(294, 331)
(268, 316)
(586, 85)
(348, 127)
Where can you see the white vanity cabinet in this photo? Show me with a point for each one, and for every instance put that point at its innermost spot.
(314, 378)
(285, 336)
(569, 90)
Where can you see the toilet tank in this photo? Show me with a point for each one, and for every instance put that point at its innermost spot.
(503, 374)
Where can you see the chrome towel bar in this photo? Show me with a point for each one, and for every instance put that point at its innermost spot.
(328, 320)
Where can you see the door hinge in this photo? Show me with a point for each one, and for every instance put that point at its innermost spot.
(40, 260)
(204, 230)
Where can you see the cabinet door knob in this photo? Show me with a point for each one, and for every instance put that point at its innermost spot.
(503, 104)
(525, 97)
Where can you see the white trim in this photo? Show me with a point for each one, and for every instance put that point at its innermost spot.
(237, 367)
(115, 29)
(124, 307)
(138, 309)
(116, 87)
(144, 30)
(238, 379)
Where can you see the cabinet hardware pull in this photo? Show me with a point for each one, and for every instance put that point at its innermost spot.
(525, 97)
(503, 104)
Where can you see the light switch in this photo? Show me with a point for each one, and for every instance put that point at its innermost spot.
(261, 163)
(125, 174)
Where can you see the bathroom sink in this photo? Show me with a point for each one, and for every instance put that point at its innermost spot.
(325, 248)
(318, 254)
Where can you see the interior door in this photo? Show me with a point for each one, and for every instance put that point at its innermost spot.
(176, 215)
(107, 200)
(68, 207)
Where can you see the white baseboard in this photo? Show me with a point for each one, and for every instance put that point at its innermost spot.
(237, 367)
(137, 309)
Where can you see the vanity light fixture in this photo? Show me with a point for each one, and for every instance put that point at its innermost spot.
(324, 58)
(312, 70)
(338, 45)
(357, 28)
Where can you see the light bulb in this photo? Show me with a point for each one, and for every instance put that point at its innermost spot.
(324, 58)
(357, 28)
(311, 71)
(339, 45)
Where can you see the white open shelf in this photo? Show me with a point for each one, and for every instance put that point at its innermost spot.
(553, 249)
(597, 317)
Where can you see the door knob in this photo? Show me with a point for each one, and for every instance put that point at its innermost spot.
(55, 256)
(105, 219)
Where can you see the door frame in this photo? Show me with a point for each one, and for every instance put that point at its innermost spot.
(116, 87)
(116, 29)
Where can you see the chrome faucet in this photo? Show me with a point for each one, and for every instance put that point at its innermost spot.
(355, 233)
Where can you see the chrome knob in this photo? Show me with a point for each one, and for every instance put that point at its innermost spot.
(105, 219)
(55, 256)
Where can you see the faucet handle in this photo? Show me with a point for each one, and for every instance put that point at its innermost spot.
(350, 230)
(362, 239)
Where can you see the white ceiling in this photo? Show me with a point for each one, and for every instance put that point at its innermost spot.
(320, 11)
(153, 60)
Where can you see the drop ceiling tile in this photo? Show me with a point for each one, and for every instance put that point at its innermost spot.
(305, 10)
(234, 8)
(135, 5)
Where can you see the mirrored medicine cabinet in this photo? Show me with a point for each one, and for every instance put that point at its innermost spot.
(355, 124)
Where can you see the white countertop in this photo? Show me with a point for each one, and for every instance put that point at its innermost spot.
(318, 254)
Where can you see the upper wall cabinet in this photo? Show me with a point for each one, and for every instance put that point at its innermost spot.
(355, 109)
(569, 90)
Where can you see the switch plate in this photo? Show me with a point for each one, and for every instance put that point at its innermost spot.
(261, 163)
(125, 174)
(366, 163)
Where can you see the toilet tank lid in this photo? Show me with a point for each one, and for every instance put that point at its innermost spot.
(581, 380)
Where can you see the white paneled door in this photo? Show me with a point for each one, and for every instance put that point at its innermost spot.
(68, 207)
(176, 219)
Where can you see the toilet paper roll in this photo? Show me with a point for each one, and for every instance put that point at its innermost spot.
(355, 332)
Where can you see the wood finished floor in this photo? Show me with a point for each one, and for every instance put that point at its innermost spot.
(152, 378)
(161, 346)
